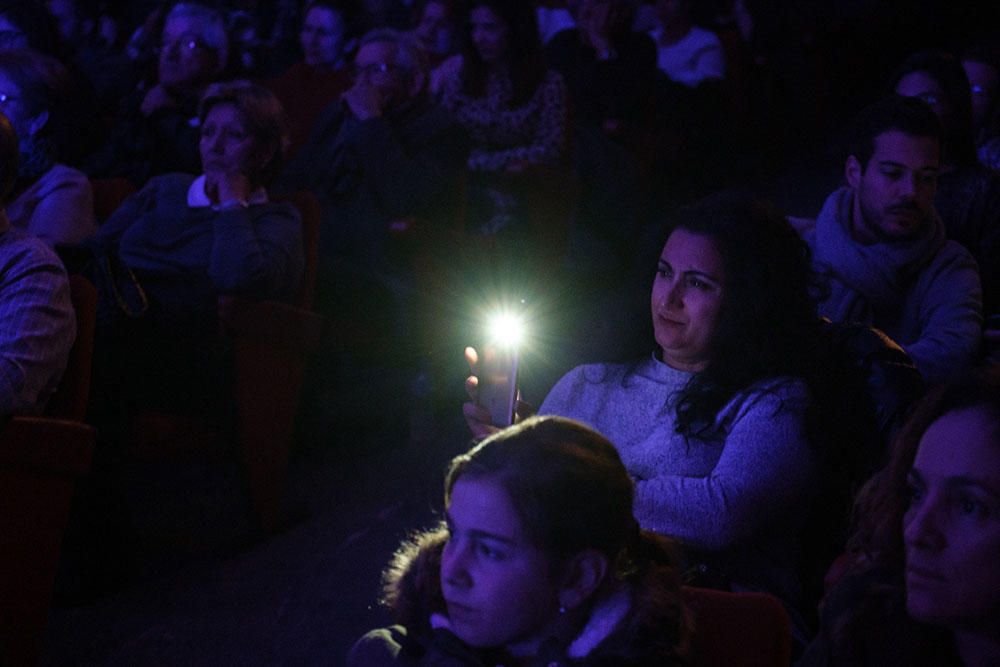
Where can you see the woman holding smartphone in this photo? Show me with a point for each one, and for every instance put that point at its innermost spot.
(718, 426)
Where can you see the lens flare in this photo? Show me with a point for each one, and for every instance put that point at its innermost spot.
(506, 329)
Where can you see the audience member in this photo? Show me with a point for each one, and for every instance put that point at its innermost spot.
(26, 25)
(539, 561)
(437, 29)
(968, 194)
(309, 86)
(156, 129)
(37, 323)
(383, 152)
(50, 200)
(882, 245)
(687, 54)
(981, 63)
(185, 240)
(515, 110)
(107, 69)
(925, 588)
(717, 426)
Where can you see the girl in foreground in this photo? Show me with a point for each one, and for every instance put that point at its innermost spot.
(540, 561)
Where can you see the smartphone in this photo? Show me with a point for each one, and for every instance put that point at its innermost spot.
(498, 368)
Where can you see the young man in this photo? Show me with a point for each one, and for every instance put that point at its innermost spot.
(882, 246)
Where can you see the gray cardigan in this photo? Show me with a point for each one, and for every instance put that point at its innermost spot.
(741, 496)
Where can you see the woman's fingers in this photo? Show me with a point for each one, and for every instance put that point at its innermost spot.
(472, 387)
(471, 358)
(478, 419)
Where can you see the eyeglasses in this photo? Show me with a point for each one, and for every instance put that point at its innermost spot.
(374, 68)
(190, 44)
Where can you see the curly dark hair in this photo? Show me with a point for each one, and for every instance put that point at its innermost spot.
(524, 46)
(767, 325)
(959, 135)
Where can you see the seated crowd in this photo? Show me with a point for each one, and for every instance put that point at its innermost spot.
(544, 143)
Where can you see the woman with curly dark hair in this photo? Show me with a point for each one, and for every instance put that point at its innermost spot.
(539, 560)
(924, 588)
(716, 426)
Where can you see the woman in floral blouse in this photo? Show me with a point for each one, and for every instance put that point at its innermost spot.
(514, 108)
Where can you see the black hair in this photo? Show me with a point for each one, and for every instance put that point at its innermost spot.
(9, 153)
(524, 46)
(894, 112)
(767, 325)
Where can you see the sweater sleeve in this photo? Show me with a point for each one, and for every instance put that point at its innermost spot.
(550, 136)
(950, 317)
(764, 471)
(257, 251)
(37, 325)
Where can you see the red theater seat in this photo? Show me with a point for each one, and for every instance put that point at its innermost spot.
(738, 629)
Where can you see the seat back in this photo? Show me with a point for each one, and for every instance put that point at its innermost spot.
(40, 458)
(738, 629)
(70, 398)
(109, 193)
(308, 207)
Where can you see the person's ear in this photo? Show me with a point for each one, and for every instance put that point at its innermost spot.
(36, 124)
(583, 574)
(853, 171)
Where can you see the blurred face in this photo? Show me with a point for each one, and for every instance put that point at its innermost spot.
(894, 194)
(11, 37)
(226, 146)
(434, 28)
(984, 81)
(17, 108)
(920, 84)
(496, 583)
(184, 58)
(375, 65)
(952, 528)
(322, 37)
(687, 299)
(65, 17)
(489, 34)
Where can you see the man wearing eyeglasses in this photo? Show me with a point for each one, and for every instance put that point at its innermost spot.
(382, 153)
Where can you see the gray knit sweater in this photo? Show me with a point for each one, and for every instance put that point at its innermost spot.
(741, 496)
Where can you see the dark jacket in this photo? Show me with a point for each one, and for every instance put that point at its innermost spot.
(654, 631)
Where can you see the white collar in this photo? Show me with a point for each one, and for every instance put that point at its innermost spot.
(198, 199)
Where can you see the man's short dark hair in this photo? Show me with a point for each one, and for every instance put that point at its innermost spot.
(8, 157)
(909, 115)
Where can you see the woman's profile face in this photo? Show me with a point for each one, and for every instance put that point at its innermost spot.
(489, 34)
(687, 299)
(226, 145)
(322, 36)
(496, 584)
(952, 528)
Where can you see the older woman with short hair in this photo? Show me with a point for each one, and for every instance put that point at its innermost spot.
(50, 200)
(186, 240)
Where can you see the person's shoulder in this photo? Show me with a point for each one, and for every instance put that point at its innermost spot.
(383, 646)
(703, 37)
(21, 251)
(64, 174)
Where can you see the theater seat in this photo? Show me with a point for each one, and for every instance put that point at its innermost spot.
(40, 459)
(70, 398)
(738, 629)
(109, 193)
